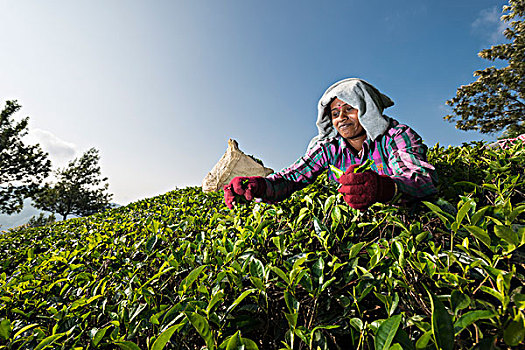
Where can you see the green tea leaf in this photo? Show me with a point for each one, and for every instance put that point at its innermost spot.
(356, 248)
(216, 298)
(202, 327)
(292, 318)
(463, 211)
(291, 302)
(150, 243)
(337, 172)
(517, 211)
(49, 340)
(192, 276)
(480, 234)
(515, 331)
(127, 345)
(459, 301)
(386, 332)
(24, 329)
(404, 340)
(471, 317)
(5, 329)
(257, 268)
(235, 342)
(506, 234)
(280, 273)
(99, 334)
(422, 342)
(445, 217)
(165, 337)
(357, 323)
(442, 327)
(519, 300)
(239, 299)
(364, 167)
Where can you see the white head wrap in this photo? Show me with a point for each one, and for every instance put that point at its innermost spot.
(361, 95)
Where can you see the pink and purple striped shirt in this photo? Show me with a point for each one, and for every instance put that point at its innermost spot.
(399, 153)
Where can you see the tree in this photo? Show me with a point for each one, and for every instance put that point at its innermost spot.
(79, 189)
(496, 100)
(41, 220)
(22, 167)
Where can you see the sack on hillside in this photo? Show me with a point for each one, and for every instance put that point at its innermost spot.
(233, 163)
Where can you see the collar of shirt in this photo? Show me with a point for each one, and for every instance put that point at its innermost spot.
(344, 145)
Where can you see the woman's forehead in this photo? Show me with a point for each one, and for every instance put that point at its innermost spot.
(337, 103)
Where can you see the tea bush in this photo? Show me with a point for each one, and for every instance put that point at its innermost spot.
(181, 271)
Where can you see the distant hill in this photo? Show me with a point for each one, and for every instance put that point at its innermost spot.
(10, 221)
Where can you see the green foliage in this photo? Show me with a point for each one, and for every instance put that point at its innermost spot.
(22, 167)
(181, 271)
(41, 220)
(79, 189)
(496, 100)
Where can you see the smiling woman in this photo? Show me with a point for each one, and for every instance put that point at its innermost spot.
(346, 122)
(352, 131)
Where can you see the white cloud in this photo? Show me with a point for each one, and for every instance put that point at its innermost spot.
(490, 26)
(60, 152)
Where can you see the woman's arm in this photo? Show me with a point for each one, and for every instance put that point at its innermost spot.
(413, 175)
(304, 171)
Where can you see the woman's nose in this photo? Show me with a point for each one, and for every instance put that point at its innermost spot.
(342, 115)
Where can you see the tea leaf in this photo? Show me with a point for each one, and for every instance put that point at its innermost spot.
(422, 342)
(515, 331)
(280, 273)
(459, 301)
(165, 337)
(386, 332)
(192, 276)
(337, 172)
(356, 248)
(507, 234)
(24, 329)
(99, 334)
(5, 329)
(150, 243)
(480, 234)
(364, 167)
(463, 211)
(202, 327)
(236, 342)
(442, 327)
(257, 268)
(470, 317)
(237, 301)
(49, 340)
(127, 345)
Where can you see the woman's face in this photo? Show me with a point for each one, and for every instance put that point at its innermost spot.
(344, 119)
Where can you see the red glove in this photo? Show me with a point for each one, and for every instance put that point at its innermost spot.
(246, 187)
(360, 190)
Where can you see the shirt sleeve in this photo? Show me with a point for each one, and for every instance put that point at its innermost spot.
(303, 172)
(413, 175)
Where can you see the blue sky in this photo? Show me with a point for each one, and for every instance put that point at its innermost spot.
(160, 86)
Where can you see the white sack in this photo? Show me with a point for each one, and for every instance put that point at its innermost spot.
(233, 163)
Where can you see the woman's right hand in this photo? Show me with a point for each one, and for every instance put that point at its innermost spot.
(245, 187)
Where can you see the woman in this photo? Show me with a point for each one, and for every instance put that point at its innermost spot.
(352, 129)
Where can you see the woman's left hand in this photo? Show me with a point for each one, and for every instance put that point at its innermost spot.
(360, 190)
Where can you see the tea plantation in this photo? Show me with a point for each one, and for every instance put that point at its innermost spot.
(181, 271)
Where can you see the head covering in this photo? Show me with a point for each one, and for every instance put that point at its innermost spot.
(361, 95)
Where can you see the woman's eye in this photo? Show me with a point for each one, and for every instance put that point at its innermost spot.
(348, 109)
(335, 114)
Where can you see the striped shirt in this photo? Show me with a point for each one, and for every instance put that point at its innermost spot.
(399, 153)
